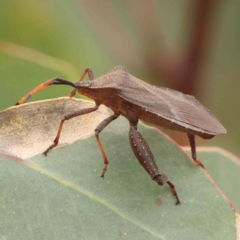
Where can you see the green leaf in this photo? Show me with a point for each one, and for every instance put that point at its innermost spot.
(224, 168)
(62, 197)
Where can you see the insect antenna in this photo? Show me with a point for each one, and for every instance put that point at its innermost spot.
(53, 81)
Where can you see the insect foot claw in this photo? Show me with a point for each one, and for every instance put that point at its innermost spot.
(160, 179)
(174, 192)
(199, 163)
(178, 201)
(103, 173)
(46, 152)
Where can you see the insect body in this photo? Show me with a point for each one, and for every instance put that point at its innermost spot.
(135, 99)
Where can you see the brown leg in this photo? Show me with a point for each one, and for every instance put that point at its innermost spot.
(173, 191)
(44, 85)
(67, 117)
(88, 71)
(191, 138)
(145, 157)
(99, 128)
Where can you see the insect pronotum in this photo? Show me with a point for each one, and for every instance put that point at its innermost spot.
(135, 99)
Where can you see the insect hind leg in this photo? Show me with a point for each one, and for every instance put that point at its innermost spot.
(145, 157)
(191, 138)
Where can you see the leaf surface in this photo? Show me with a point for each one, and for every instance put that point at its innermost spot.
(62, 197)
(224, 168)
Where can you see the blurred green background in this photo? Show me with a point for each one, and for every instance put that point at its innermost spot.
(189, 45)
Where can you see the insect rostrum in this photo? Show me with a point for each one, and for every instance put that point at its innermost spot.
(137, 100)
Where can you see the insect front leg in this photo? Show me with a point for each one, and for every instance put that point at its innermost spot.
(88, 71)
(145, 157)
(67, 117)
(99, 128)
(191, 138)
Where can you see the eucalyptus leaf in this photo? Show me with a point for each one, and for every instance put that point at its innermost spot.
(29, 129)
(224, 168)
(62, 197)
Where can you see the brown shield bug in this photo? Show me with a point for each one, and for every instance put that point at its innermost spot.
(135, 99)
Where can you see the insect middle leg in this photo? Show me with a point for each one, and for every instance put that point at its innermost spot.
(191, 138)
(145, 157)
(99, 128)
(88, 71)
(67, 117)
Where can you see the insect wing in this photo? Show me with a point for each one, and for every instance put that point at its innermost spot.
(172, 105)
